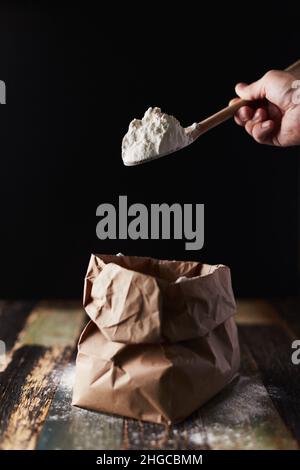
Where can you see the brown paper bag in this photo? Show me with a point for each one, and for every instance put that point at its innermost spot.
(161, 341)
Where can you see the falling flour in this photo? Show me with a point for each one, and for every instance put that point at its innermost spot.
(155, 135)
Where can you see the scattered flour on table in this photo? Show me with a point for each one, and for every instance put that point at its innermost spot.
(248, 398)
(154, 135)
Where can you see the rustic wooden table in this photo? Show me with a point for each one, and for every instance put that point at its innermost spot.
(260, 410)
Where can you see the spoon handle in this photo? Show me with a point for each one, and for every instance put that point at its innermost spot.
(295, 67)
(229, 111)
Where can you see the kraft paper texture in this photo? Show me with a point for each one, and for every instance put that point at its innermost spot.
(161, 340)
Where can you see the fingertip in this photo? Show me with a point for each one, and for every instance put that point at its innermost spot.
(240, 86)
(267, 125)
(261, 132)
(260, 115)
(245, 113)
(238, 121)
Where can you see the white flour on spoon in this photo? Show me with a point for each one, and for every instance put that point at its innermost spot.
(155, 135)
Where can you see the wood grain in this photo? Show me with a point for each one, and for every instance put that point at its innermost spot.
(13, 316)
(260, 410)
(27, 387)
(37, 360)
(271, 348)
(54, 323)
(289, 311)
(69, 427)
(243, 415)
(257, 312)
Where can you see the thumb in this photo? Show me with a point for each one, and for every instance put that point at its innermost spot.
(255, 91)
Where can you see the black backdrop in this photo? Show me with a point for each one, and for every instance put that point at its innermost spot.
(75, 77)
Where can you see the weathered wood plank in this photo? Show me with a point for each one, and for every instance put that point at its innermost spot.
(29, 381)
(289, 311)
(27, 387)
(271, 348)
(56, 323)
(69, 427)
(13, 316)
(243, 415)
(256, 312)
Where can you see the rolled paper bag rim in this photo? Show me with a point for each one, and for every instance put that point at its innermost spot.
(126, 303)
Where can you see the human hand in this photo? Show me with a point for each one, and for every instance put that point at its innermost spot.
(274, 116)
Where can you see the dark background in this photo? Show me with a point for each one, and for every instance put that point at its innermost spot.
(76, 77)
